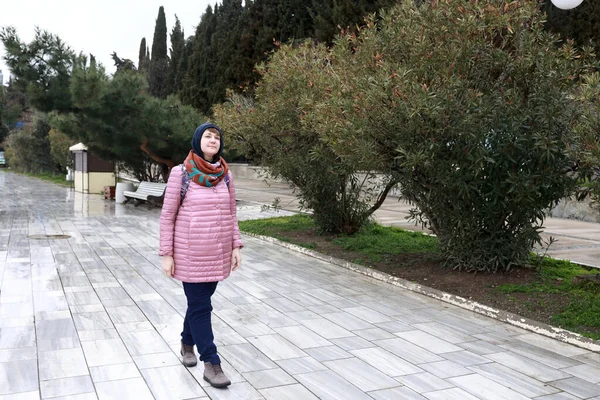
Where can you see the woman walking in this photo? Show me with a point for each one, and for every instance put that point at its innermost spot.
(200, 242)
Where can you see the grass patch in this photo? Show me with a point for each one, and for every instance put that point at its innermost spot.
(558, 277)
(59, 179)
(374, 242)
(583, 312)
(280, 228)
(378, 242)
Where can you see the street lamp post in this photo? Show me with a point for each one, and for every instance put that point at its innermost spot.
(566, 4)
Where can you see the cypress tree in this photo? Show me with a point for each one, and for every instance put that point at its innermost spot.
(158, 74)
(330, 15)
(184, 64)
(143, 57)
(201, 59)
(232, 38)
(142, 54)
(177, 50)
(159, 42)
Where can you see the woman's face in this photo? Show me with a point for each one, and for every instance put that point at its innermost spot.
(210, 143)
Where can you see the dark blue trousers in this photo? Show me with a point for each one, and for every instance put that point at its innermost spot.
(197, 328)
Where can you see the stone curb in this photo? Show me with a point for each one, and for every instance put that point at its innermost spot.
(541, 328)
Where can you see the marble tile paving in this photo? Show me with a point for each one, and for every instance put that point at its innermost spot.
(93, 317)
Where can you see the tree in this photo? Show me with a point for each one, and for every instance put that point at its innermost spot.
(122, 64)
(159, 42)
(196, 88)
(231, 39)
(28, 148)
(177, 57)
(143, 59)
(581, 24)
(114, 117)
(587, 150)
(59, 150)
(42, 68)
(158, 73)
(276, 130)
(331, 16)
(468, 105)
(120, 122)
(13, 103)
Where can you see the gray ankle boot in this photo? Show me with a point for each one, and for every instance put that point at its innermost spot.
(189, 357)
(214, 375)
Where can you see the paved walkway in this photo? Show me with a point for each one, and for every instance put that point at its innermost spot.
(576, 240)
(92, 316)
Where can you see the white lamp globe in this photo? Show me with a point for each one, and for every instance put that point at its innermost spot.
(566, 4)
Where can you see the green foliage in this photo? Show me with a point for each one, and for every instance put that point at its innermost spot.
(114, 117)
(266, 226)
(213, 63)
(59, 150)
(158, 78)
(12, 105)
(330, 16)
(41, 68)
(122, 64)
(277, 131)
(581, 24)
(280, 227)
(28, 149)
(375, 242)
(474, 131)
(176, 72)
(119, 121)
(231, 39)
(582, 314)
(143, 61)
(159, 42)
(158, 72)
(378, 242)
(587, 149)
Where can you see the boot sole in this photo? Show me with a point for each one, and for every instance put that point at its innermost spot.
(221, 386)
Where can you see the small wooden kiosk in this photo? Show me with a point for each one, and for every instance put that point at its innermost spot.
(92, 174)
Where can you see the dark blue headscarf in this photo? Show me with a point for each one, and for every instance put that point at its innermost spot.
(198, 136)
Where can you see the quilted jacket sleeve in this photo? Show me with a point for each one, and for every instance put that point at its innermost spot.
(169, 212)
(237, 240)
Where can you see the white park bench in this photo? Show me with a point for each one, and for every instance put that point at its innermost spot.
(152, 193)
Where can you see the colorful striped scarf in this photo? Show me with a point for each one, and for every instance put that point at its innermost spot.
(204, 173)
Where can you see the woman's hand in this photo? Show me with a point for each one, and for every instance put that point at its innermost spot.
(236, 258)
(168, 266)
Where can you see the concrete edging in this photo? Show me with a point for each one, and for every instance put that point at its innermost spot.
(541, 328)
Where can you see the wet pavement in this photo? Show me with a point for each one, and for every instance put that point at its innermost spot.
(92, 316)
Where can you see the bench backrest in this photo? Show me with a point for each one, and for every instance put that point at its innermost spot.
(151, 188)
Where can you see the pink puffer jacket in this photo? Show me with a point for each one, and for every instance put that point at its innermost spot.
(202, 234)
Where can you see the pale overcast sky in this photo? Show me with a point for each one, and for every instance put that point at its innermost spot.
(99, 27)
